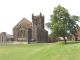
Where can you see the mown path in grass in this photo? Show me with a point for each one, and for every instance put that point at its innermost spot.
(47, 51)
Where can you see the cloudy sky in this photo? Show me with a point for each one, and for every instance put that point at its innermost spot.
(12, 11)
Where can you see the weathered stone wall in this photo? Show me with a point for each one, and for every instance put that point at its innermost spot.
(38, 21)
(29, 35)
(42, 35)
(26, 38)
(78, 33)
(22, 32)
(15, 34)
(34, 33)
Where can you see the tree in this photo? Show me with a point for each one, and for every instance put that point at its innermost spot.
(59, 22)
(48, 25)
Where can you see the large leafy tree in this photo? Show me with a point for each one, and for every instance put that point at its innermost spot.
(60, 21)
(62, 24)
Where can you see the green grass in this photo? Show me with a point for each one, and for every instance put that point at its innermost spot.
(47, 51)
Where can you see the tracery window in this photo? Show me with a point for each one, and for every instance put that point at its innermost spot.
(21, 33)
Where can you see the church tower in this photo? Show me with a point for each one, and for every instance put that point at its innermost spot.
(38, 21)
(39, 34)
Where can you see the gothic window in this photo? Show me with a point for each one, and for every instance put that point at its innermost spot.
(21, 33)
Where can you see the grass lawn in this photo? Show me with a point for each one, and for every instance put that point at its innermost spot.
(47, 51)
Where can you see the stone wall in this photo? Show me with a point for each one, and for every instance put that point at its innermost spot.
(27, 35)
(42, 35)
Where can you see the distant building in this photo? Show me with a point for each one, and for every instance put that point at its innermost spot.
(5, 37)
(77, 33)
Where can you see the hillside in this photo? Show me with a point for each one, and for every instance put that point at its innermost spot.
(50, 51)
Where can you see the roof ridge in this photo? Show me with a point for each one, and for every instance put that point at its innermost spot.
(23, 20)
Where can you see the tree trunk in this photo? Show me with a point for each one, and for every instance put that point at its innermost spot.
(64, 40)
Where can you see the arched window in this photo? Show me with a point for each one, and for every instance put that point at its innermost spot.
(21, 33)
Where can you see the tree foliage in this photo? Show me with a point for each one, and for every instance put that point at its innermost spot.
(59, 21)
(48, 25)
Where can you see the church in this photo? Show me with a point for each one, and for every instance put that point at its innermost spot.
(26, 31)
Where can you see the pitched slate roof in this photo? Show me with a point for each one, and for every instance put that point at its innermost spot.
(24, 22)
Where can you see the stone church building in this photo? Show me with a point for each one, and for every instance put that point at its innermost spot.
(26, 31)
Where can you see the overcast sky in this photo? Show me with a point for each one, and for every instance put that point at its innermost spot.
(12, 11)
